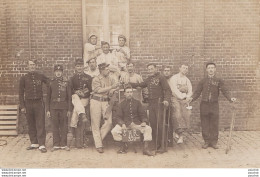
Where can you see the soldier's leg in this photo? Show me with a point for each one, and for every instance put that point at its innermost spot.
(146, 131)
(31, 122)
(177, 118)
(205, 121)
(55, 127)
(39, 111)
(214, 124)
(107, 126)
(153, 122)
(63, 127)
(95, 114)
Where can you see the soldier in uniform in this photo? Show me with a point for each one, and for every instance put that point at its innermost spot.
(58, 103)
(80, 88)
(102, 86)
(157, 88)
(130, 114)
(210, 87)
(31, 103)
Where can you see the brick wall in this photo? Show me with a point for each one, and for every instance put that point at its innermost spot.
(166, 32)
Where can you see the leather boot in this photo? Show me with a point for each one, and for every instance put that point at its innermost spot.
(79, 134)
(146, 149)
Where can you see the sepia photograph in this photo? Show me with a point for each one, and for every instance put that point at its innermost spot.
(129, 84)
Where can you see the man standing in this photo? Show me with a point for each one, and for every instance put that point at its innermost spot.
(130, 114)
(209, 107)
(181, 90)
(122, 52)
(157, 88)
(93, 70)
(31, 103)
(58, 108)
(102, 86)
(91, 50)
(81, 88)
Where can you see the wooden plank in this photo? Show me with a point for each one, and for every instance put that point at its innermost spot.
(2, 127)
(8, 132)
(8, 106)
(5, 122)
(8, 112)
(8, 117)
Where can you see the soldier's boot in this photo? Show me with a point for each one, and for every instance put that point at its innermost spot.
(85, 120)
(146, 149)
(123, 148)
(79, 134)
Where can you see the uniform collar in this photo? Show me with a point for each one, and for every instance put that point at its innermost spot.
(211, 77)
(59, 78)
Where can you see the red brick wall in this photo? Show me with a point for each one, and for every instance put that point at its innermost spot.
(166, 32)
(226, 32)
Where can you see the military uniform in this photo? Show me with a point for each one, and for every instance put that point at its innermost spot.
(31, 98)
(80, 82)
(131, 113)
(157, 88)
(59, 103)
(209, 107)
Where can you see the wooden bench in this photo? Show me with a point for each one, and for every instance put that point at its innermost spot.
(8, 120)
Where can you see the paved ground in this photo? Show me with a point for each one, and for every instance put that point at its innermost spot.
(245, 153)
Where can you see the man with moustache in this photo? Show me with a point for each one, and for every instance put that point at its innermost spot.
(209, 87)
(31, 104)
(81, 89)
(181, 90)
(157, 88)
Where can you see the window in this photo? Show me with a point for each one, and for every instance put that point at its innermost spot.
(106, 19)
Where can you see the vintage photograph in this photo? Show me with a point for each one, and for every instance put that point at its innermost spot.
(129, 84)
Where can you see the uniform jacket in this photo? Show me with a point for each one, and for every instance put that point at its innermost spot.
(58, 94)
(81, 82)
(210, 88)
(31, 87)
(130, 111)
(158, 87)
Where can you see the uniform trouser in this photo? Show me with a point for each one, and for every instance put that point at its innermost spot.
(209, 115)
(146, 131)
(35, 115)
(153, 113)
(59, 126)
(97, 112)
(79, 107)
(181, 115)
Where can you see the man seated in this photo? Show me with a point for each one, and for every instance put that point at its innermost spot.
(130, 114)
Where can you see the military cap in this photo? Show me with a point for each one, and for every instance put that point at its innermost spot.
(102, 66)
(79, 62)
(210, 63)
(58, 67)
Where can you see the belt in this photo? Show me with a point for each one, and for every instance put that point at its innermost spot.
(99, 98)
(58, 99)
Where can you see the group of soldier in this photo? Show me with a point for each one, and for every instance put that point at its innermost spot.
(89, 100)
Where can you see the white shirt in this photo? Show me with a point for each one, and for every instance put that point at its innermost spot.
(176, 81)
(92, 73)
(110, 59)
(122, 58)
